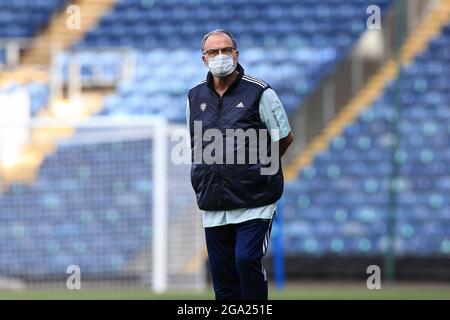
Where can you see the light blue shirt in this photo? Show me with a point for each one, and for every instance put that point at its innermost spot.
(273, 116)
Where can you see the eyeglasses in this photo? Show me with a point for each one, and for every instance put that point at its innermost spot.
(215, 52)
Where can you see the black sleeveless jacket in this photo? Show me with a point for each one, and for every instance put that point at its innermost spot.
(225, 186)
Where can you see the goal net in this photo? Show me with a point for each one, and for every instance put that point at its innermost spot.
(102, 195)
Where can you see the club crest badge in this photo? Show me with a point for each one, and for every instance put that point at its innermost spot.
(203, 106)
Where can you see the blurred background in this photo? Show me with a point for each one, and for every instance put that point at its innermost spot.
(92, 92)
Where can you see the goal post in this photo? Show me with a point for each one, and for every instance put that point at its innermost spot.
(160, 208)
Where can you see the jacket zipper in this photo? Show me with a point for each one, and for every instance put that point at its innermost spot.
(219, 171)
(220, 111)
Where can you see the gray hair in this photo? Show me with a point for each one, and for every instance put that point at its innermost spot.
(216, 31)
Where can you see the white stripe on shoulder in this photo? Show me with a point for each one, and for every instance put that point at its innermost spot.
(258, 83)
(201, 82)
(256, 79)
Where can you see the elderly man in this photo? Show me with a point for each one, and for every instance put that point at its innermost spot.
(237, 200)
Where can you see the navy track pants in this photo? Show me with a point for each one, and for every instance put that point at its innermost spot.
(235, 257)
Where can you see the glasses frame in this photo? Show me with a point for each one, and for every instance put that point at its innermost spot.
(219, 50)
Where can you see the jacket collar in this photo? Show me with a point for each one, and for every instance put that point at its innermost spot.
(210, 79)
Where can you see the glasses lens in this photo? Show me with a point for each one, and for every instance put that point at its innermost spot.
(228, 50)
(212, 52)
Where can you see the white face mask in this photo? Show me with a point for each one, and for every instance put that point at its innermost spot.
(221, 65)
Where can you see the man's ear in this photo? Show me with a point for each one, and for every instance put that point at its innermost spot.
(205, 61)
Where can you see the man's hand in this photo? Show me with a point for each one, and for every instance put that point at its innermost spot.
(285, 142)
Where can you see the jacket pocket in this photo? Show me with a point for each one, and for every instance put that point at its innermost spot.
(196, 176)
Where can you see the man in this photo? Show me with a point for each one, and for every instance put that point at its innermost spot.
(237, 200)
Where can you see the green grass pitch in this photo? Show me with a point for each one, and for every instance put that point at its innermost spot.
(306, 291)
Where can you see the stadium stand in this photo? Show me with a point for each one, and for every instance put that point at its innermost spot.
(340, 203)
(2, 57)
(335, 206)
(38, 94)
(297, 39)
(91, 232)
(34, 74)
(23, 19)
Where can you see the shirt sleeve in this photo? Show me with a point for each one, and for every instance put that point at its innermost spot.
(273, 115)
(188, 113)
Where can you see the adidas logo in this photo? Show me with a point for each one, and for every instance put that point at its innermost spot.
(240, 105)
